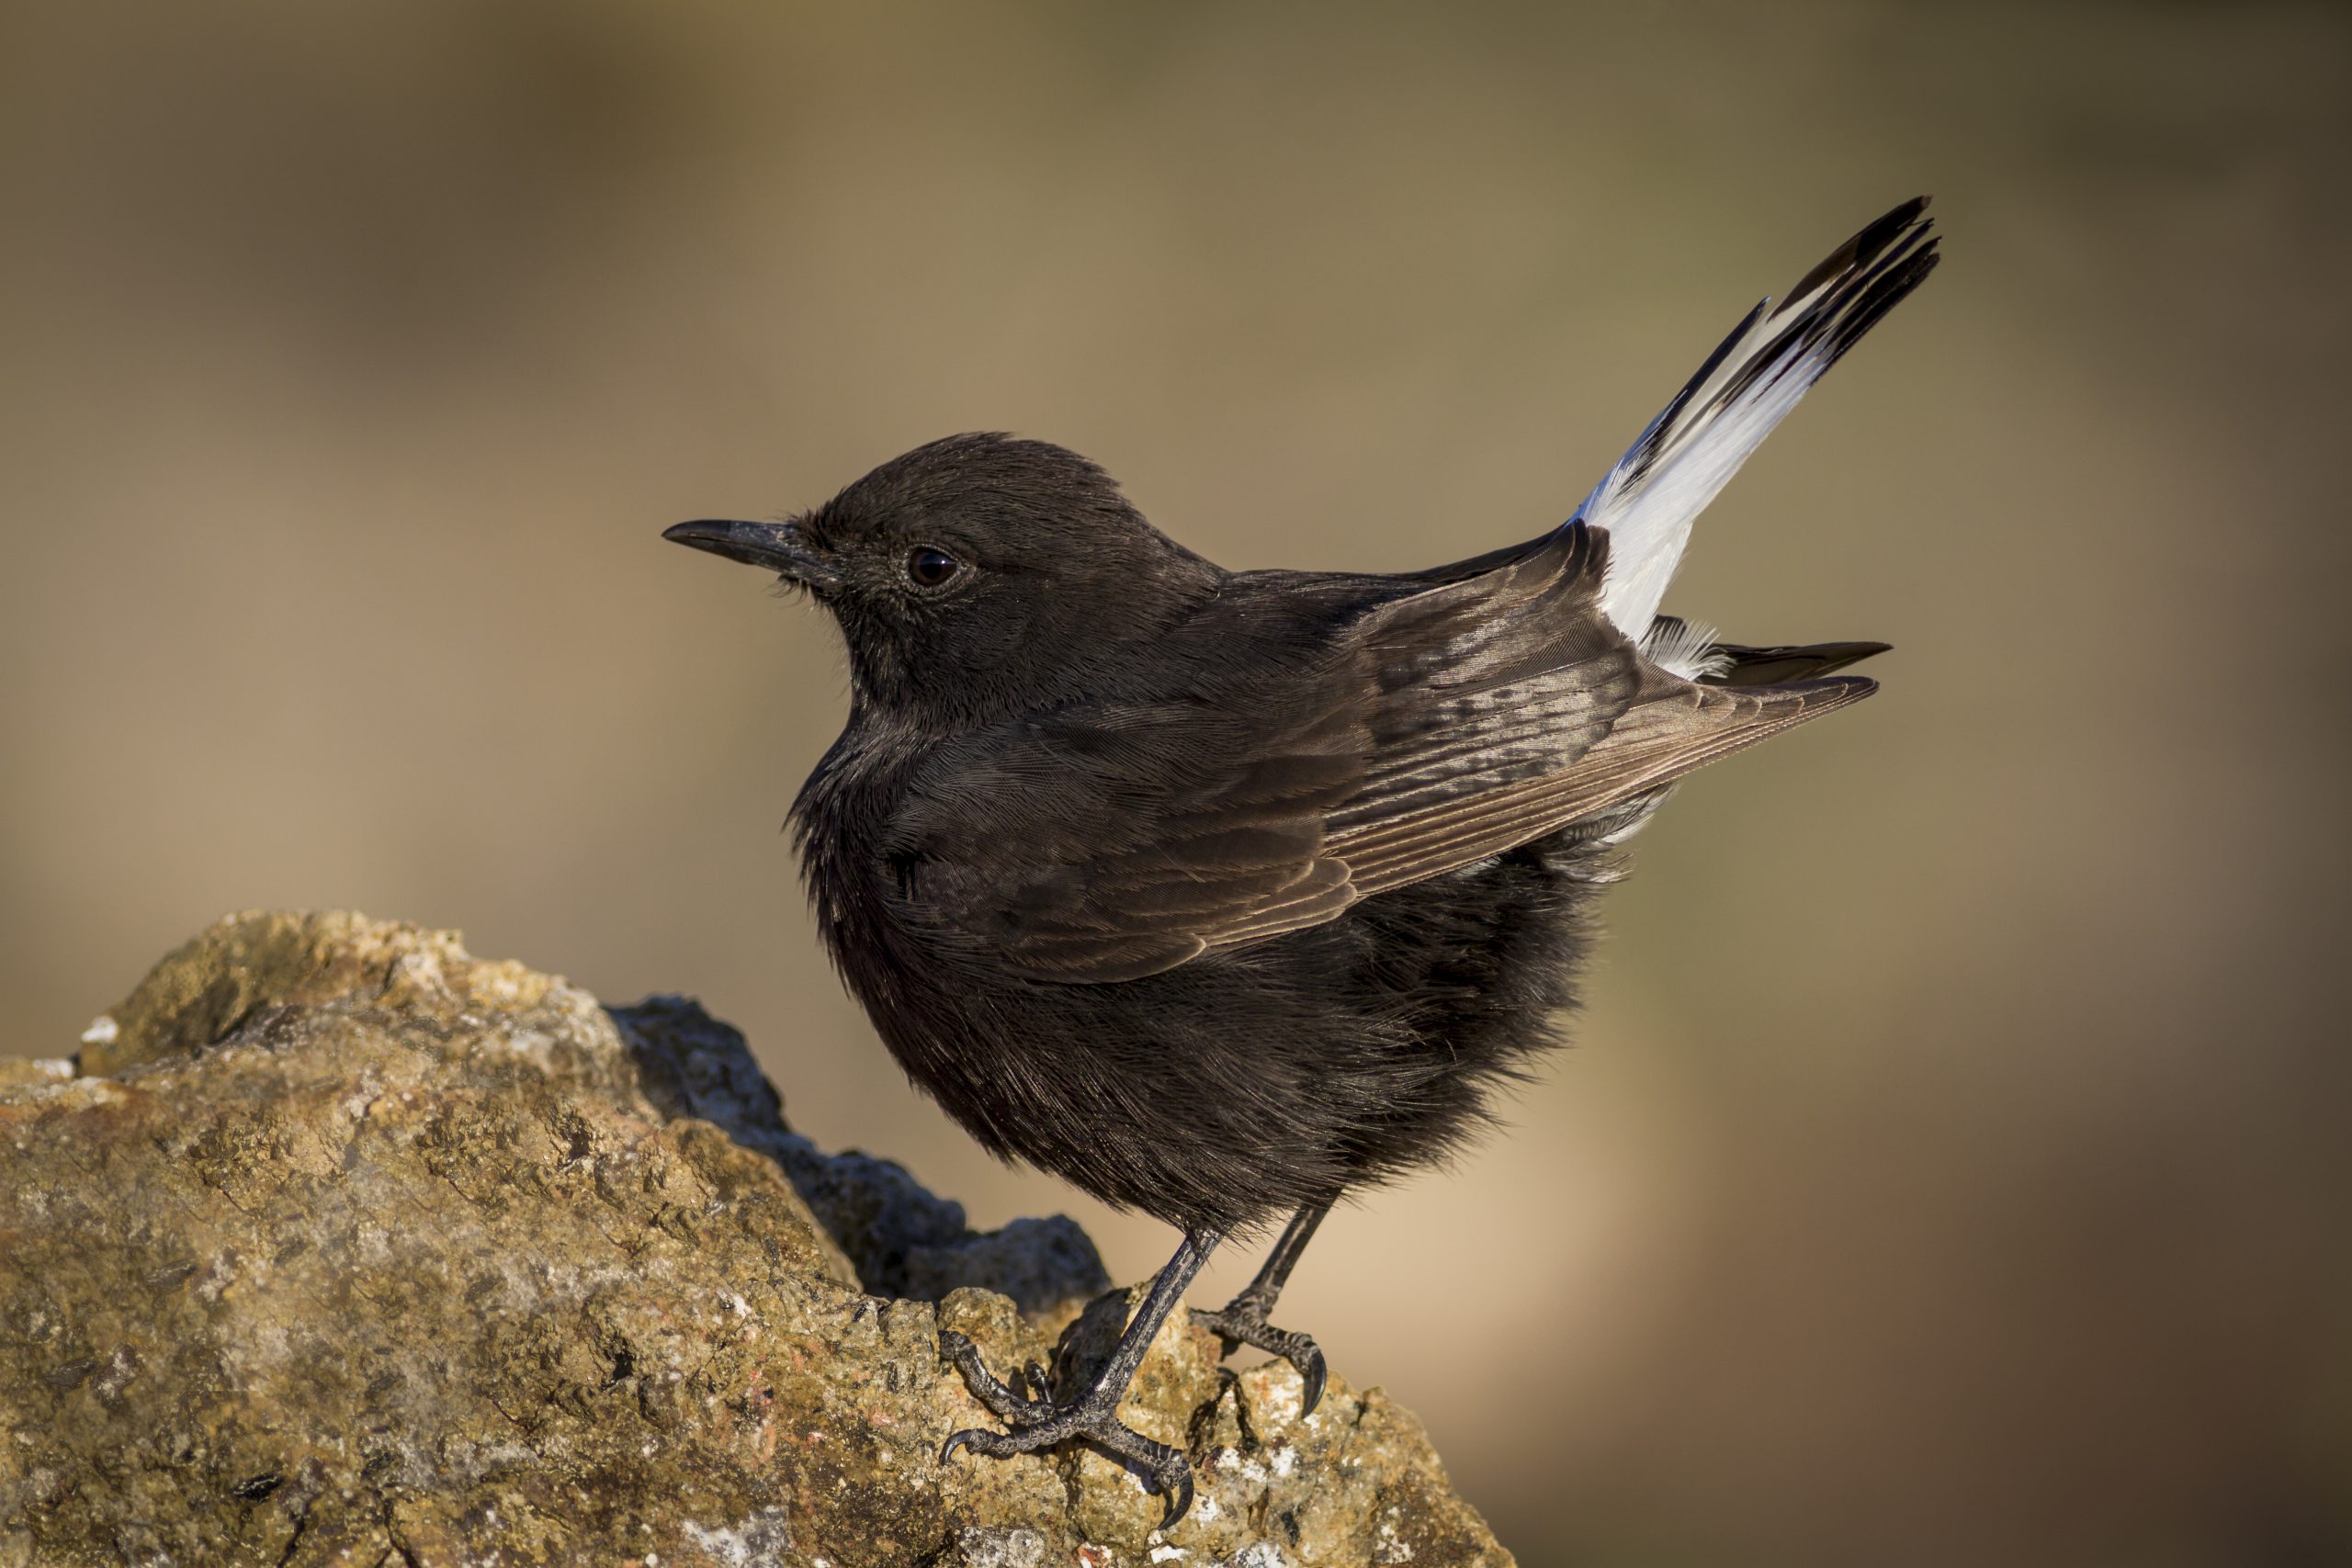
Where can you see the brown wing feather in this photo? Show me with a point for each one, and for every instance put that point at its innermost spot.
(1654, 744)
(1453, 724)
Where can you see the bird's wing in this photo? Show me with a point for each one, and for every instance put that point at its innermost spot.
(1431, 731)
(1748, 386)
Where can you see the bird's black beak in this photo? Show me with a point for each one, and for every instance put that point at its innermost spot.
(776, 547)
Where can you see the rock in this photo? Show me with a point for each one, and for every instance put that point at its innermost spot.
(336, 1244)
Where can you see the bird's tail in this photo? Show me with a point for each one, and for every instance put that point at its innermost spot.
(1748, 385)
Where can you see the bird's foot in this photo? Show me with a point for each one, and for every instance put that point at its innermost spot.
(1242, 1320)
(1039, 1423)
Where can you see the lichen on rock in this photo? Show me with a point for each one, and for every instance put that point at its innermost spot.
(337, 1244)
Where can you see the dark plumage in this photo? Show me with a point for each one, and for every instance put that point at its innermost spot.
(1222, 894)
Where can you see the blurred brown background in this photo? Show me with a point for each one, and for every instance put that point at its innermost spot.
(1954, 1167)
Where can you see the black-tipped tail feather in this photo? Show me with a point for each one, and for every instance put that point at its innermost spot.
(1746, 387)
(1748, 666)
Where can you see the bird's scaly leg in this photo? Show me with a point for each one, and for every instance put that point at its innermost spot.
(1093, 1414)
(1243, 1320)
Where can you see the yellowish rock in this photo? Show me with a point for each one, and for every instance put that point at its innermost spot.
(339, 1245)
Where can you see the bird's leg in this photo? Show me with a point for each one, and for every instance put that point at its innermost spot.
(1243, 1320)
(1092, 1413)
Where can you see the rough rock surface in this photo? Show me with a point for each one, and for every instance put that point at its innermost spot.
(336, 1244)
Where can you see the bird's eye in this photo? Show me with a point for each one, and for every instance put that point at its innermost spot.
(930, 566)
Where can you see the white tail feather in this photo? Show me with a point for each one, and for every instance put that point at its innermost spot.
(1689, 452)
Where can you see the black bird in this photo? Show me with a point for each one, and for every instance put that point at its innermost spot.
(1223, 894)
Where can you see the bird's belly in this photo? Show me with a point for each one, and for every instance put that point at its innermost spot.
(1247, 1083)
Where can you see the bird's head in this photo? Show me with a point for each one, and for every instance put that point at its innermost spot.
(976, 576)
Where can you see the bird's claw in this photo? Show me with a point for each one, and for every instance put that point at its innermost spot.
(1179, 1488)
(1007, 1403)
(1239, 1323)
(1040, 1424)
